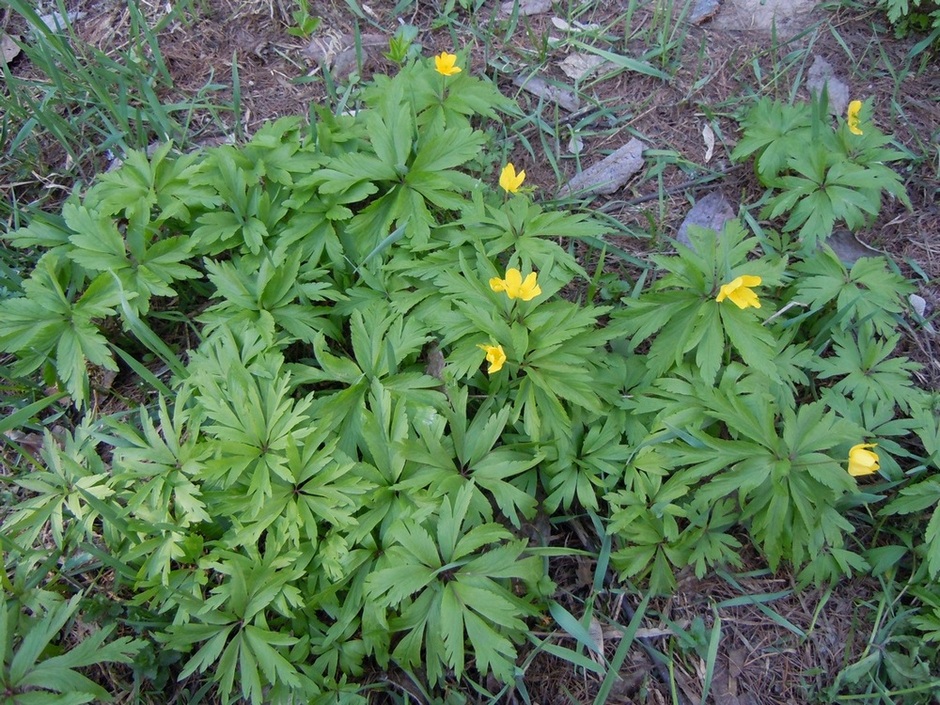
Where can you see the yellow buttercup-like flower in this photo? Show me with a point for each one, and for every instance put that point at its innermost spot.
(509, 180)
(495, 355)
(515, 287)
(446, 64)
(863, 461)
(739, 292)
(855, 107)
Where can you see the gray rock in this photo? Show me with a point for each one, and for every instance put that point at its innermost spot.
(821, 75)
(849, 248)
(536, 86)
(786, 17)
(526, 7)
(703, 10)
(711, 211)
(57, 22)
(608, 175)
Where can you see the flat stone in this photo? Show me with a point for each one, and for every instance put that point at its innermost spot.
(536, 86)
(786, 16)
(578, 66)
(338, 52)
(919, 304)
(849, 248)
(703, 10)
(711, 211)
(526, 7)
(57, 22)
(9, 49)
(821, 75)
(609, 174)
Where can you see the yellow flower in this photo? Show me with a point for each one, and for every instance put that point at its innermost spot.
(739, 292)
(509, 180)
(861, 461)
(852, 119)
(495, 356)
(515, 287)
(446, 64)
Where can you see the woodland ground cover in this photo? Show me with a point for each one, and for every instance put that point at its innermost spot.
(350, 408)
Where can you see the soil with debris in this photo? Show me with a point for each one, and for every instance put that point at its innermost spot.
(783, 641)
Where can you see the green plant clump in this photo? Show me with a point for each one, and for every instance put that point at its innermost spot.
(822, 175)
(360, 386)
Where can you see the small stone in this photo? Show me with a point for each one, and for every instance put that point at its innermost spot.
(703, 11)
(919, 304)
(536, 86)
(849, 248)
(9, 49)
(578, 66)
(338, 52)
(821, 75)
(574, 26)
(608, 175)
(57, 22)
(526, 7)
(711, 211)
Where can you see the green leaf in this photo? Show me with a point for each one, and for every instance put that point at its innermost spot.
(573, 627)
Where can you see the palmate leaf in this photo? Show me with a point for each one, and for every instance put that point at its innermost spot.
(251, 416)
(710, 544)
(399, 493)
(158, 464)
(651, 549)
(160, 187)
(275, 297)
(53, 321)
(98, 245)
(774, 131)
(585, 465)
(868, 373)
(277, 153)
(453, 590)
(391, 133)
(448, 457)
(523, 229)
(28, 677)
(252, 215)
(681, 313)
(813, 217)
(59, 503)
(250, 653)
(869, 292)
(322, 499)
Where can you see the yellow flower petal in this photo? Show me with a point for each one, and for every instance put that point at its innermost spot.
(513, 282)
(509, 180)
(495, 356)
(852, 117)
(515, 287)
(863, 461)
(530, 288)
(739, 291)
(446, 64)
